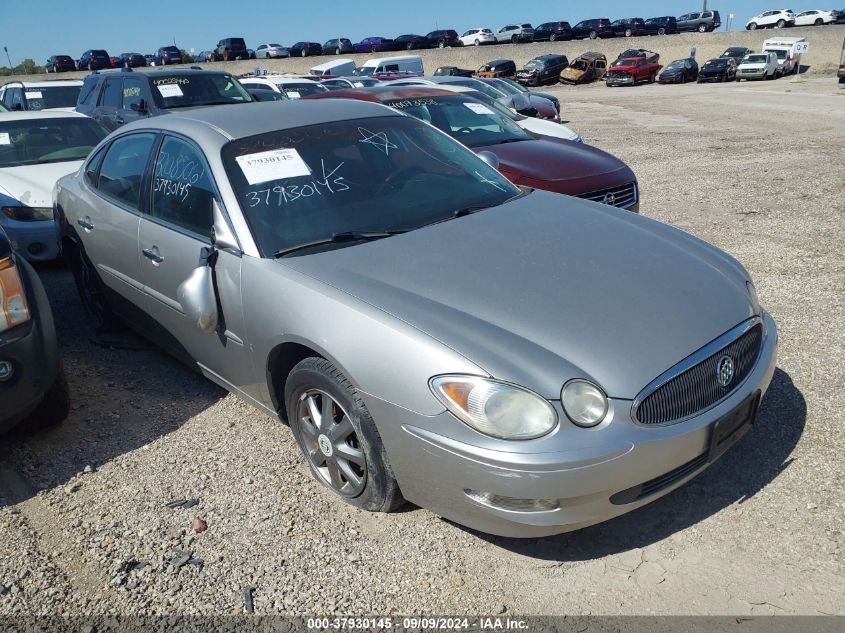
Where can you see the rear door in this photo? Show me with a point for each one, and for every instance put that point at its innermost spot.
(173, 236)
(111, 98)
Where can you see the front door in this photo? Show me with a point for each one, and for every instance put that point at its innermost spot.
(173, 237)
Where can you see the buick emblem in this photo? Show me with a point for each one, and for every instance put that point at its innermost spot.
(725, 371)
(609, 198)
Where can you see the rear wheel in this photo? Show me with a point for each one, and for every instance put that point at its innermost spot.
(652, 77)
(818, 22)
(593, 35)
(338, 437)
(441, 44)
(552, 37)
(781, 24)
(410, 46)
(628, 32)
(514, 39)
(702, 28)
(661, 31)
(337, 51)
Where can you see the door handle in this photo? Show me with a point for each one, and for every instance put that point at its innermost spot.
(152, 254)
(86, 224)
(120, 119)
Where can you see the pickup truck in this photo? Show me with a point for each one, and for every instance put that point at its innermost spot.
(630, 71)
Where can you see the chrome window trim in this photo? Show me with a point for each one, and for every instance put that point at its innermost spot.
(691, 361)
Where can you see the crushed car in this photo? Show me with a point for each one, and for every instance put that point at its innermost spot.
(497, 68)
(586, 68)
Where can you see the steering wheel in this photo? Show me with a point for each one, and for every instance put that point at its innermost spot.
(398, 177)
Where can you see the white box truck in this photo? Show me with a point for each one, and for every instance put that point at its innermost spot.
(788, 51)
(334, 68)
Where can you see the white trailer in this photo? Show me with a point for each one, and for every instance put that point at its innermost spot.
(788, 51)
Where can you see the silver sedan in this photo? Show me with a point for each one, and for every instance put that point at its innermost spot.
(520, 362)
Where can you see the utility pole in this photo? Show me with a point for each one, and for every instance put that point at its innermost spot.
(705, 6)
(7, 57)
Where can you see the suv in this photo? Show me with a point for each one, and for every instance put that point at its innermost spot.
(664, 25)
(116, 97)
(542, 69)
(94, 59)
(444, 38)
(779, 18)
(168, 55)
(131, 60)
(59, 64)
(229, 49)
(592, 29)
(553, 31)
(52, 94)
(701, 21)
(515, 33)
(758, 66)
(628, 27)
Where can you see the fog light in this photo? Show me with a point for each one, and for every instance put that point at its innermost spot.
(36, 248)
(7, 370)
(511, 504)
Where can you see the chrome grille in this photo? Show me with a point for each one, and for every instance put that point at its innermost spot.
(695, 388)
(621, 196)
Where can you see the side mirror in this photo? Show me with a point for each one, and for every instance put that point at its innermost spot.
(222, 235)
(139, 106)
(490, 158)
(198, 300)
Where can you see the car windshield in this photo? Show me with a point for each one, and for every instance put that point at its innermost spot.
(780, 53)
(624, 62)
(53, 140)
(535, 64)
(755, 59)
(364, 71)
(301, 89)
(678, 63)
(46, 97)
(382, 174)
(188, 90)
(713, 63)
(472, 123)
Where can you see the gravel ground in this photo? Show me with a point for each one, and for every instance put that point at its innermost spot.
(756, 169)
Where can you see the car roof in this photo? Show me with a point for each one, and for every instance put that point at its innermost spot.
(46, 83)
(19, 115)
(385, 93)
(234, 122)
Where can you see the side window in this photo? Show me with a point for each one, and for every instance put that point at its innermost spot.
(133, 92)
(182, 189)
(112, 95)
(93, 167)
(16, 100)
(123, 168)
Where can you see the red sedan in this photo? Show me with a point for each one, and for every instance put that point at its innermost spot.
(525, 158)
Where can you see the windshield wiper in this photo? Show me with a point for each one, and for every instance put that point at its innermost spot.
(457, 213)
(338, 238)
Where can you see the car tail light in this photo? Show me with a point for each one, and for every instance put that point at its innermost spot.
(23, 213)
(13, 307)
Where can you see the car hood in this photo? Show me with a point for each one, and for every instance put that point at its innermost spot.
(754, 66)
(546, 288)
(552, 160)
(547, 128)
(33, 184)
(624, 69)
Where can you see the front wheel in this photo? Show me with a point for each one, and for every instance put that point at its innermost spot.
(338, 437)
(552, 37)
(304, 53)
(593, 35)
(628, 32)
(661, 31)
(441, 44)
(652, 77)
(752, 26)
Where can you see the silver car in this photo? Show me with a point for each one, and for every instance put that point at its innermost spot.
(271, 51)
(520, 362)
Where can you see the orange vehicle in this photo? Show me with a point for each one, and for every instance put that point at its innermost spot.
(497, 68)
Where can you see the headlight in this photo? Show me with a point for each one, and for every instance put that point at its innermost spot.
(28, 214)
(584, 403)
(752, 294)
(495, 408)
(13, 308)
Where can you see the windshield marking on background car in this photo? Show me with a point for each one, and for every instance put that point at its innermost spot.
(377, 139)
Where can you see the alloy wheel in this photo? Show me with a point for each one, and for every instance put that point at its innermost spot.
(332, 445)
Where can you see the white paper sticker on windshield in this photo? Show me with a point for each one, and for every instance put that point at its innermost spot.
(479, 108)
(273, 165)
(170, 90)
(293, 95)
(33, 94)
(4, 138)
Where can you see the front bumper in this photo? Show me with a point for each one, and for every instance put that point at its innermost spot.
(37, 241)
(670, 79)
(706, 78)
(751, 74)
(437, 459)
(33, 352)
(620, 81)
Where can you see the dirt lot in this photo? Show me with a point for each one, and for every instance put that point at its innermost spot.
(756, 169)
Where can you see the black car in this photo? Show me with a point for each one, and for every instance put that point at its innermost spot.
(542, 69)
(229, 49)
(443, 38)
(94, 59)
(116, 97)
(132, 60)
(260, 93)
(632, 53)
(305, 49)
(409, 42)
(718, 69)
(679, 71)
(553, 31)
(628, 27)
(33, 391)
(701, 21)
(736, 53)
(167, 55)
(338, 46)
(665, 25)
(60, 64)
(453, 71)
(599, 27)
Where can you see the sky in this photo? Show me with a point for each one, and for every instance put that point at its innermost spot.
(37, 29)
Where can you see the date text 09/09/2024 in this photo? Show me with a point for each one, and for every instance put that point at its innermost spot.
(417, 623)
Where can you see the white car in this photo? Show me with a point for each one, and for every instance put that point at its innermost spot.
(271, 51)
(50, 94)
(758, 66)
(291, 87)
(814, 17)
(515, 33)
(36, 149)
(778, 18)
(477, 37)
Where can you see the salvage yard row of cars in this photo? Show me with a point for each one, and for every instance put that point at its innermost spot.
(352, 263)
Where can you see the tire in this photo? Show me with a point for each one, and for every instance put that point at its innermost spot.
(661, 31)
(91, 291)
(752, 26)
(818, 22)
(552, 37)
(409, 46)
(781, 24)
(593, 35)
(345, 453)
(683, 78)
(53, 408)
(304, 53)
(702, 28)
(90, 66)
(628, 32)
(652, 77)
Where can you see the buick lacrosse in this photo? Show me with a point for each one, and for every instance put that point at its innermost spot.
(521, 362)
